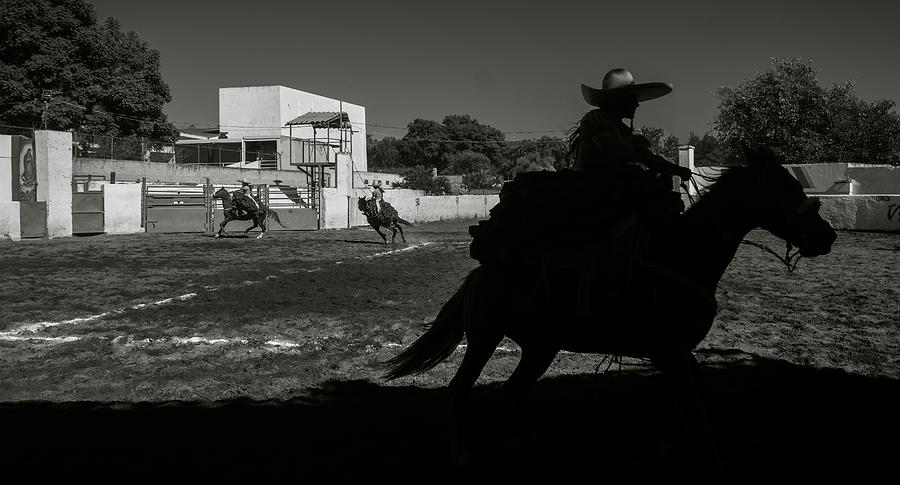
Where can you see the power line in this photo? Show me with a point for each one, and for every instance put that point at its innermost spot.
(273, 128)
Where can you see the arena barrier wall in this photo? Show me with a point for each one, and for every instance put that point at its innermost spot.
(411, 205)
(862, 212)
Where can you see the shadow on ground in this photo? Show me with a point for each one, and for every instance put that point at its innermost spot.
(773, 423)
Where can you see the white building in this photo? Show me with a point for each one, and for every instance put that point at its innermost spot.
(281, 128)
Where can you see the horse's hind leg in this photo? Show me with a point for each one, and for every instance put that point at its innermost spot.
(535, 360)
(687, 422)
(400, 228)
(479, 349)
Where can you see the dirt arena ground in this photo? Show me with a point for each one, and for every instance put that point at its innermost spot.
(184, 356)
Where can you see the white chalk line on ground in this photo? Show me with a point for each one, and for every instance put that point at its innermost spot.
(31, 328)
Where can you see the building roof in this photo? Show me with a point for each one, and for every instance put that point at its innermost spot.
(322, 119)
(196, 133)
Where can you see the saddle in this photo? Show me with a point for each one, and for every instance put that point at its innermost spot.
(572, 223)
(246, 203)
(386, 215)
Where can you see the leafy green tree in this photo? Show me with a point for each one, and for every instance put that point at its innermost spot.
(419, 177)
(546, 153)
(669, 148)
(468, 135)
(424, 144)
(102, 80)
(467, 161)
(709, 150)
(383, 154)
(787, 109)
(654, 135)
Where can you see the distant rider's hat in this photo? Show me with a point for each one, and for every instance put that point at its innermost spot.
(618, 83)
(244, 182)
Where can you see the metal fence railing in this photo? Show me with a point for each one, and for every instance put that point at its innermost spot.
(17, 130)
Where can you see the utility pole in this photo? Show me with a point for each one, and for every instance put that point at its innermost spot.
(47, 96)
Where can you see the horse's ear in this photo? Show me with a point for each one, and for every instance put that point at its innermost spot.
(760, 159)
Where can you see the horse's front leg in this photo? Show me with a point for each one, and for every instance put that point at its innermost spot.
(686, 418)
(262, 228)
(383, 236)
(222, 227)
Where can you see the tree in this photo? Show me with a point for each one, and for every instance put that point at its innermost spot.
(102, 80)
(669, 148)
(654, 135)
(786, 109)
(546, 153)
(467, 134)
(384, 153)
(419, 177)
(709, 150)
(424, 144)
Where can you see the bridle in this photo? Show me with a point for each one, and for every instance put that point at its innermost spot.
(791, 256)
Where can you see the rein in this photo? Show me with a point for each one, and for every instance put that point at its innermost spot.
(790, 259)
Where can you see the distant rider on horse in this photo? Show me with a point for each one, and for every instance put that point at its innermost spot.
(244, 200)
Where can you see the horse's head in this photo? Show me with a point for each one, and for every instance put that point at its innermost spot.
(221, 194)
(784, 208)
(361, 204)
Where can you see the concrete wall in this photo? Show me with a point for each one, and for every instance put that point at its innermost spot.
(122, 208)
(5, 168)
(10, 224)
(132, 171)
(53, 154)
(821, 178)
(250, 112)
(873, 179)
(862, 212)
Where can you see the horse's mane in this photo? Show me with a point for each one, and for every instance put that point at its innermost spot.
(729, 180)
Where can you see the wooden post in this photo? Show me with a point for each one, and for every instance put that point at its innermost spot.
(144, 203)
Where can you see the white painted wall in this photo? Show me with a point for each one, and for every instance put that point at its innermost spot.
(122, 208)
(250, 112)
(53, 154)
(862, 212)
(10, 223)
(6, 169)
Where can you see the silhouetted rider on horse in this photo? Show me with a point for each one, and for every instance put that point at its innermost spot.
(606, 207)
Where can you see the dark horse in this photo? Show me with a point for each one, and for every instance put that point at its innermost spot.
(250, 214)
(388, 217)
(659, 309)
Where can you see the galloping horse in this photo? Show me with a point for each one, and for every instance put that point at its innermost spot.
(658, 309)
(250, 214)
(387, 217)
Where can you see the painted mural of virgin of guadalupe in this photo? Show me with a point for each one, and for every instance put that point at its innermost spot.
(28, 175)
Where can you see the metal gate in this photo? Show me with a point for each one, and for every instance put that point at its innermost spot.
(88, 210)
(176, 208)
(33, 219)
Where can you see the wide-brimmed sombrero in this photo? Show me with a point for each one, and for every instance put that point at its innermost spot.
(618, 83)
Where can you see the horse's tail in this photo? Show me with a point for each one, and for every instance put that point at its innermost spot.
(438, 342)
(404, 221)
(274, 215)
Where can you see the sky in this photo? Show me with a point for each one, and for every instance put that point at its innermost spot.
(514, 65)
